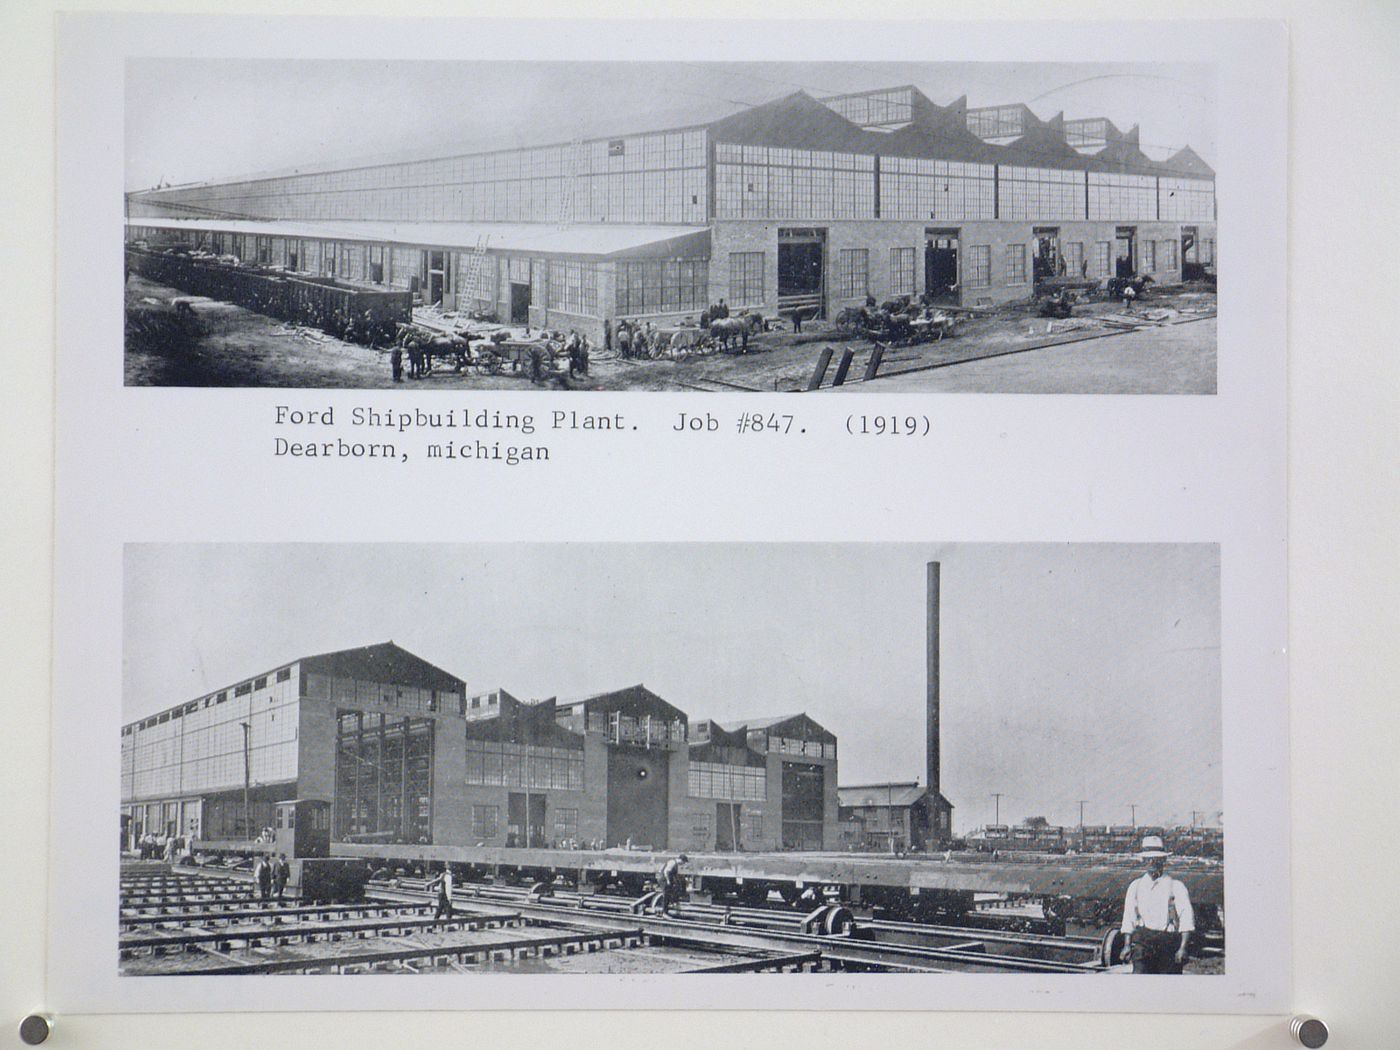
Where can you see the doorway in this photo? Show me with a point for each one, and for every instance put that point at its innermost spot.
(1047, 260)
(1124, 251)
(726, 826)
(638, 790)
(941, 264)
(519, 303)
(802, 271)
(435, 274)
(524, 819)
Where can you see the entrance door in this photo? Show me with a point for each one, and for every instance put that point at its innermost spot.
(802, 271)
(437, 276)
(726, 826)
(519, 303)
(941, 263)
(1123, 251)
(524, 819)
(1047, 253)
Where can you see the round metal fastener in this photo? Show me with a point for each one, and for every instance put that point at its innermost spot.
(1308, 1031)
(35, 1029)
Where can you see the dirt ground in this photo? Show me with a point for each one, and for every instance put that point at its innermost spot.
(228, 346)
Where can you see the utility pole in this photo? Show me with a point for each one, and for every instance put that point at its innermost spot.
(1194, 814)
(1133, 807)
(1082, 803)
(997, 795)
(247, 821)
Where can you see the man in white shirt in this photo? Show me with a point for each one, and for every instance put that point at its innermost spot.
(443, 885)
(1157, 916)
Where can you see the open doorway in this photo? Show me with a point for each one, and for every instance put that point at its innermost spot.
(941, 265)
(1124, 251)
(519, 303)
(726, 826)
(801, 271)
(1048, 262)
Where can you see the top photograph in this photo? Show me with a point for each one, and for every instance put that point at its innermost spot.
(1018, 228)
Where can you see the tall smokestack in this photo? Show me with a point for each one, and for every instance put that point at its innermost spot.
(931, 751)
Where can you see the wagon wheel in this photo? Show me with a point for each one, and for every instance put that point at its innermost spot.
(489, 362)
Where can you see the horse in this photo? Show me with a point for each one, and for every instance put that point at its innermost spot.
(726, 330)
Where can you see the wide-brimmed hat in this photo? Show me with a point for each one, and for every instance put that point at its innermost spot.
(1153, 846)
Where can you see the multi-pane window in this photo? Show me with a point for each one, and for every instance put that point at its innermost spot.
(1113, 196)
(662, 285)
(485, 822)
(646, 178)
(746, 278)
(1074, 258)
(901, 271)
(1186, 200)
(735, 783)
(979, 266)
(1148, 260)
(757, 182)
(753, 827)
(565, 825)
(1101, 258)
(1040, 193)
(492, 763)
(1015, 264)
(573, 287)
(918, 188)
(383, 777)
(376, 263)
(1169, 255)
(853, 273)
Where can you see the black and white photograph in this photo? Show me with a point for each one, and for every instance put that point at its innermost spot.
(990, 227)
(621, 759)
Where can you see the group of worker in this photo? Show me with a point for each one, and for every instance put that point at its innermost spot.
(270, 877)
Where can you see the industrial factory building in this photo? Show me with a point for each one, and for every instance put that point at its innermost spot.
(797, 204)
(404, 755)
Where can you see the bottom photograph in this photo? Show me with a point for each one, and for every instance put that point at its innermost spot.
(671, 758)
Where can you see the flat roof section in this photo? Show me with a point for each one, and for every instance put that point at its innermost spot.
(537, 238)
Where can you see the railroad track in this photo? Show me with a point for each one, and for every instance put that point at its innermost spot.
(882, 945)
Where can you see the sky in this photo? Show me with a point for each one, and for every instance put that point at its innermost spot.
(1069, 671)
(188, 120)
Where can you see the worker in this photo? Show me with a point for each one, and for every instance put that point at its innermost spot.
(281, 872)
(443, 885)
(262, 878)
(1157, 916)
(672, 882)
(396, 362)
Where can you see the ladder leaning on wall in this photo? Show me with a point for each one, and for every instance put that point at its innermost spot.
(476, 266)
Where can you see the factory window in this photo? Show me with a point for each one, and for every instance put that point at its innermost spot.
(573, 287)
(243, 690)
(1208, 250)
(853, 273)
(1015, 264)
(1101, 258)
(753, 828)
(901, 271)
(736, 783)
(746, 278)
(1169, 261)
(264, 248)
(1040, 193)
(1148, 262)
(565, 825)
(284, 674)
(1074, 258)
(485, 822)
(261, 683)
(979, 265)
(491, 763)
(376, 263)
(662, 285)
